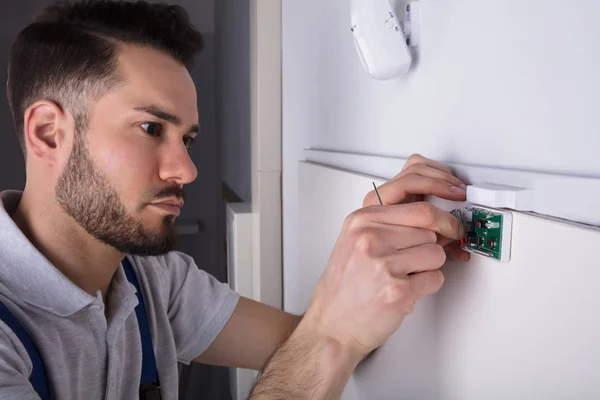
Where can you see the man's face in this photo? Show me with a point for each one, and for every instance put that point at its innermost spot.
(124, 178)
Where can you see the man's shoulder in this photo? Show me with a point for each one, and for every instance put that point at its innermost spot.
(170, 269)
(175, 277)
(170, 260)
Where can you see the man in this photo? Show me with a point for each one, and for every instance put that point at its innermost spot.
(105, 110)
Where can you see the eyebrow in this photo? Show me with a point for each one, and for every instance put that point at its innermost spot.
(168, 117)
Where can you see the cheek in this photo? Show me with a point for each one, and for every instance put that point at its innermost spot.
(129, 168)
(125, 161)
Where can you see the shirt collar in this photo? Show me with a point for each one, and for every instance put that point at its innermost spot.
(31, 277)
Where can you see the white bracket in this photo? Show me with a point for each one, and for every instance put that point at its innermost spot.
(501, 196)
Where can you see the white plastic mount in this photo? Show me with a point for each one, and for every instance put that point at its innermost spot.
(501, 196)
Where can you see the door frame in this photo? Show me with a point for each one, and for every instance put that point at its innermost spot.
(266, 162)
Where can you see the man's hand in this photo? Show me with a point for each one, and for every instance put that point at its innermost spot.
(421, 176)
(385, 259)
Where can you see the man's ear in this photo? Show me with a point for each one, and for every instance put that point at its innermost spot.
(44, 130)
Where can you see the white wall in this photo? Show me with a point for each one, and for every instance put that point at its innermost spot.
(232, 32)
(496, 331)
(509, 84)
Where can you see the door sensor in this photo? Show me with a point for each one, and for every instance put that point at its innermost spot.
(382, 39)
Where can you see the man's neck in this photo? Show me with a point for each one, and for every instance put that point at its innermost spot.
(87, 262)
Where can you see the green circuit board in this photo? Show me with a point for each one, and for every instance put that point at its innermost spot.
(484, 233)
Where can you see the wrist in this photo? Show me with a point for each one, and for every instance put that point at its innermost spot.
(309, 365)
(335, 352)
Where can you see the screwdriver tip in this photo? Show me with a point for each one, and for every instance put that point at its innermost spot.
(377, 193)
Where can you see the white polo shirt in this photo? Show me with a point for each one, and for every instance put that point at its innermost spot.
(87, 354)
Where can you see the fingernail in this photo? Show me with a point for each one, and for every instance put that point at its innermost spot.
(457, 189)
(463, 186)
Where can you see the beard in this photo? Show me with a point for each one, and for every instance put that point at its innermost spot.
(87, 196)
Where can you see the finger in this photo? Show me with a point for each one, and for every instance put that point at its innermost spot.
(426, 283)
(425, 257)
(444, 241)
(425, 170)
(417, 215)
(455, 253)
(397, 191)
(419, 159)
(383, 239)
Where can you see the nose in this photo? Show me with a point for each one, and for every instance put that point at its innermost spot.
(176, 164)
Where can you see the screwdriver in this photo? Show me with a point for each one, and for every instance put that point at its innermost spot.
(377, 193)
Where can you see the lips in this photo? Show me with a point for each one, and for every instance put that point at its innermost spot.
(171, 206)
(174, 203)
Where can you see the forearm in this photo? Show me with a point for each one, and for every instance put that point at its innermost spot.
(251, 336)
(306, 366)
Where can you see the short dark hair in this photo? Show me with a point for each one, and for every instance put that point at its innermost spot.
(68, 53)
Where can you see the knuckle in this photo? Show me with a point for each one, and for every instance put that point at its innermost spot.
(366, 241)
(381, 269)
(395, 292)
(416, 158)
(411, 169)
(412, 160)
(355, 221)
(449, 177)
(429, 236)
(429, 283)
(436, 281)
(370, 199)
(389, 294)
(437, 255)
(447, 169)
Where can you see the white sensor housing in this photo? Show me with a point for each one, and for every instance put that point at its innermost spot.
(380, 38)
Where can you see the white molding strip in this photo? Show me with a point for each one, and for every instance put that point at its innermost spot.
(240, 274)
(265, 121)
(573, 198)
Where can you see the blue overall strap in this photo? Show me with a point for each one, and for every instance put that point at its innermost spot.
(149, 370)
(38, 378)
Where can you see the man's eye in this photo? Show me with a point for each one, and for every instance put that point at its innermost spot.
(189, 141)
(152, 128)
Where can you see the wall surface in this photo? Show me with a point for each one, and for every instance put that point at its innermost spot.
(492, 331)
(232, 26)
(505, 84)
